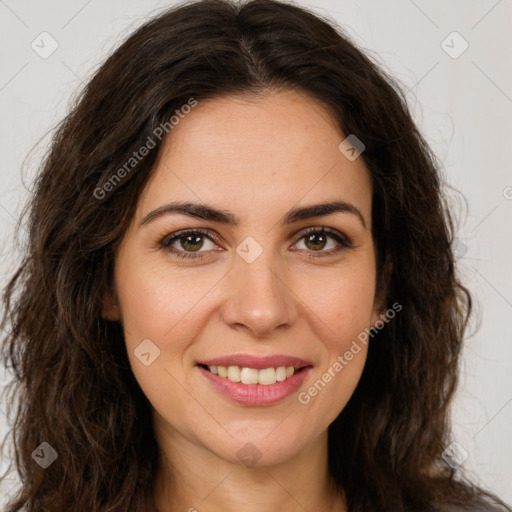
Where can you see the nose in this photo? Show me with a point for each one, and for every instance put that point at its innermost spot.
(259, 299)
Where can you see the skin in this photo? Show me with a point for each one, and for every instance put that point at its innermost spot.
(258, 158)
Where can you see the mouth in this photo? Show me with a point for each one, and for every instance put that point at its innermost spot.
(246, 375)
(255, 381)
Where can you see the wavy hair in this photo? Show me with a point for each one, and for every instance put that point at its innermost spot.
(72, 384)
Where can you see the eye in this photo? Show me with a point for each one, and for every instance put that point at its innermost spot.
(315, 239)
(188, 243)
(189, 240)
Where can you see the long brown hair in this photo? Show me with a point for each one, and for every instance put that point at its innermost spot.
(73, 386)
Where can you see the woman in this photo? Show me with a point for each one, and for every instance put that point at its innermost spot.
(306, 356)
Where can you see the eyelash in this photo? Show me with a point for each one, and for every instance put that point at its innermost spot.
(166, 242)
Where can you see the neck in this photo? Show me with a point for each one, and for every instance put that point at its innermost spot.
(192, 478)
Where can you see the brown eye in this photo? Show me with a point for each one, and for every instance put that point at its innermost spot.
(185, 243)
(317, 239)
(188, 243)
(191, 242)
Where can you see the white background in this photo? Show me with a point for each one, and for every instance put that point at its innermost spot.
(463, 106)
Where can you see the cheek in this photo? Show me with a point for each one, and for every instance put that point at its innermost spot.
(340, 305)
(159, 307)
(342, 301)
(171, 310)
(158, 304)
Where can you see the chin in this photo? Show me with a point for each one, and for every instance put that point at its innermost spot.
(258, 448)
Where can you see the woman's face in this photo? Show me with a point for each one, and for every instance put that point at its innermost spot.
(262, 287)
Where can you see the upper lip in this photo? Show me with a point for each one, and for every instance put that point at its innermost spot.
(257, 362)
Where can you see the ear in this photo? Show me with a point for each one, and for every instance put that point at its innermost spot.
(379, 310)
(110, 310)
(380, 305)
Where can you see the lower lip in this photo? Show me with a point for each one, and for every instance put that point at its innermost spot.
(256, 394)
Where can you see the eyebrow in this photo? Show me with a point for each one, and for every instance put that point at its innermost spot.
(206, 212)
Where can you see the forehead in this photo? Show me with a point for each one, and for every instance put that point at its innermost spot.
(259, 155)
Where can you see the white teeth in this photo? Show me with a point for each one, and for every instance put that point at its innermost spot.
(234, 373)
(264, 376)
(267, 376)
(249, 376)
(281, 374)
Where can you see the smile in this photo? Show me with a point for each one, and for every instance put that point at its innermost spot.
(245, 375)
(255, 381)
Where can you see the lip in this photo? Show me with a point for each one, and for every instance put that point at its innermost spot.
(257, 362)
(256, 394)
